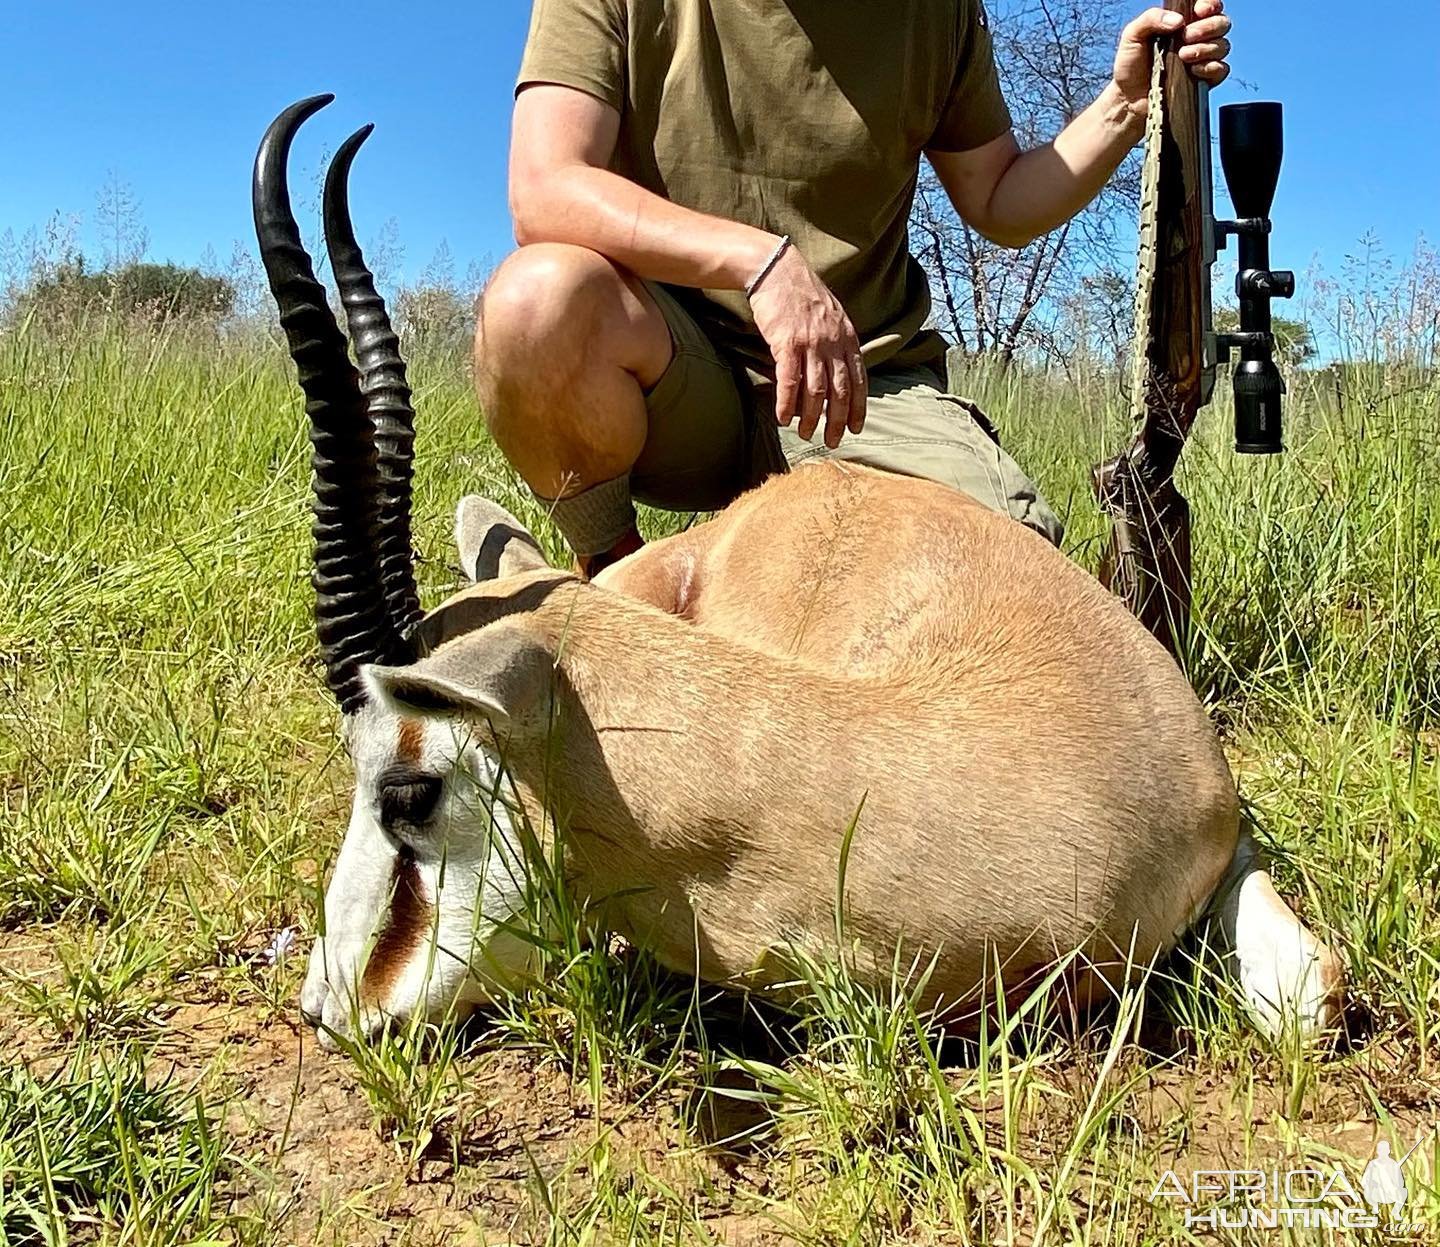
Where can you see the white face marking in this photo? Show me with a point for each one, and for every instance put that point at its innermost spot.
(414, 916)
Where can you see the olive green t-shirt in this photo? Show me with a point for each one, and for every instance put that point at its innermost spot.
(801, 117)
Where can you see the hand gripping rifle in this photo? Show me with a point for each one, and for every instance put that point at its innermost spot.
(1147, 562)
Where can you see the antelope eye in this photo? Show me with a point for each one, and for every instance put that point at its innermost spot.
(408, 797)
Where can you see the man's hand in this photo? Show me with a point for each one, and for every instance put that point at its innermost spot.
(818, 367)
(1205, 47)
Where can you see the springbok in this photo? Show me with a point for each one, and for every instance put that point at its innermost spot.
(841, 658)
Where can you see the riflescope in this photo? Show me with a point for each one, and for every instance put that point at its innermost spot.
(1252, 143)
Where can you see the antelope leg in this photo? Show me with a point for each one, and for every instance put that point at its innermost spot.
(1291, 981)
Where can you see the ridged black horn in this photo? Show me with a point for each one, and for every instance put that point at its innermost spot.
(353, 626)
(383, 382)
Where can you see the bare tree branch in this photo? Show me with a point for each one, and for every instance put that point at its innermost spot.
(1054, 58)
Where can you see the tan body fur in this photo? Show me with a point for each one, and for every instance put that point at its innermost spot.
(1031, 773)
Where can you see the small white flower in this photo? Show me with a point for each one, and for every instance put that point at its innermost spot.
(283, 942)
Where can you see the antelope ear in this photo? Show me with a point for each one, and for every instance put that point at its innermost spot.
(497, 674)
(493, 543)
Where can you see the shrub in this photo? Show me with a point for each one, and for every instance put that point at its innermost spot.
(155, 292)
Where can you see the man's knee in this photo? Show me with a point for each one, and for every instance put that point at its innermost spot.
(545, 302)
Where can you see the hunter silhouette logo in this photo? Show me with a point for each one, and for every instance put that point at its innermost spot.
(1384, 1178)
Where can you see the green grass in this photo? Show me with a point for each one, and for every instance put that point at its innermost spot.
(100, 1140)
(172, 790)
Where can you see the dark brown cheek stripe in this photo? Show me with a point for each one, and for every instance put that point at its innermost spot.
(406, 926)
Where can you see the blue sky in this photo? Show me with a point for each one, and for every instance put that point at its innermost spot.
(173, 98)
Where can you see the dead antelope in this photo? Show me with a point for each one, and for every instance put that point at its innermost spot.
(1026, 770)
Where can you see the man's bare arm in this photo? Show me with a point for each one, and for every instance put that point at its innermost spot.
(562, 191)
(1013, 197)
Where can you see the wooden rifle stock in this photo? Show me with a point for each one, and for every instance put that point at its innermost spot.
(1147, 562)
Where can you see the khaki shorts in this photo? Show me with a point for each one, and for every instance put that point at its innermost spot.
(713, 434)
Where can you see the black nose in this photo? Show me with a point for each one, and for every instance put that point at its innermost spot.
(408, 797)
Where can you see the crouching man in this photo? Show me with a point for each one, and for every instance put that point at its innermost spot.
(714, 278)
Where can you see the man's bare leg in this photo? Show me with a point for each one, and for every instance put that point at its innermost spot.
(566, 345)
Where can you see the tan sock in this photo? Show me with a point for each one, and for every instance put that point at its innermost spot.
(594, 520)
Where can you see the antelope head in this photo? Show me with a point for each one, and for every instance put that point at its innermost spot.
(419, 914)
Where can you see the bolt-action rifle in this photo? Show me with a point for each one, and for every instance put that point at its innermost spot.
(1148, 559)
